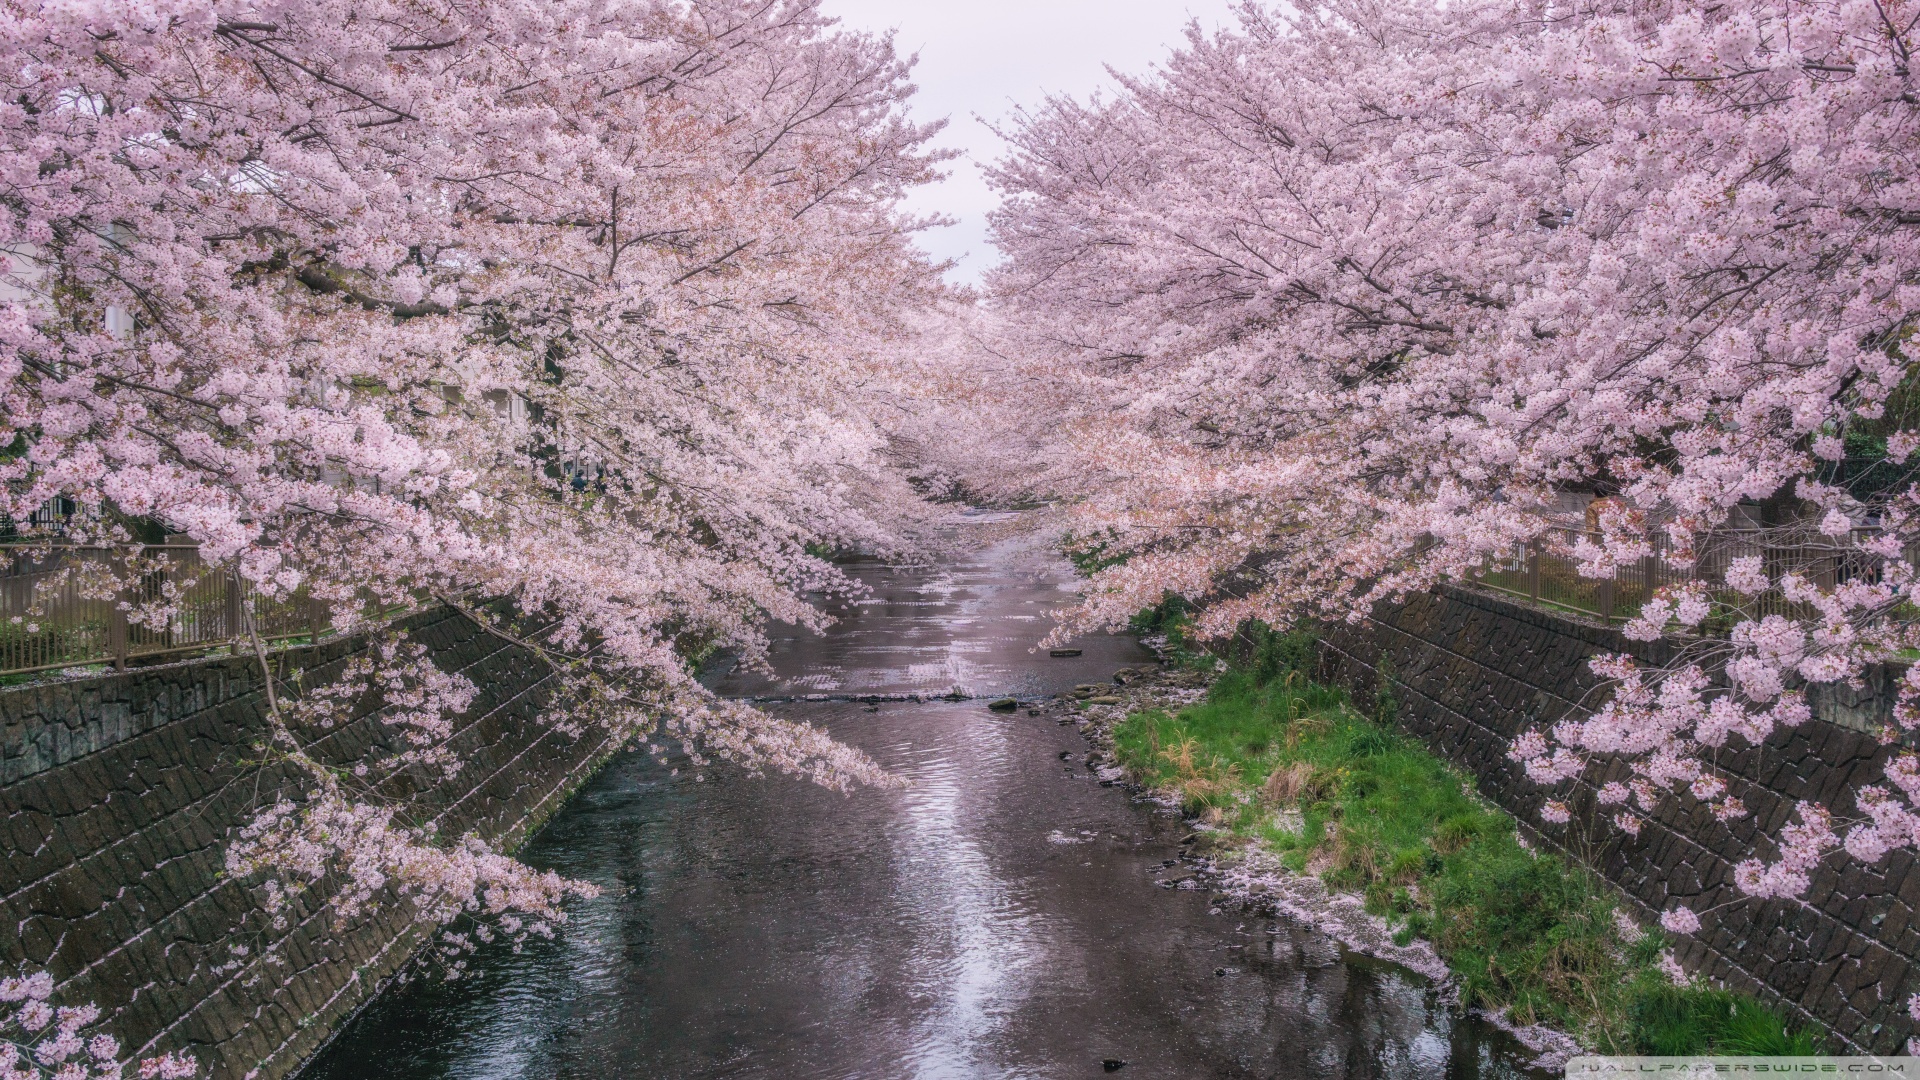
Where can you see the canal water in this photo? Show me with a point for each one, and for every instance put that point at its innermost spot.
(1000, 916)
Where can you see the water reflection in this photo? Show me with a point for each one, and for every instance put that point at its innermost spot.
(997, 918)
(966, 626)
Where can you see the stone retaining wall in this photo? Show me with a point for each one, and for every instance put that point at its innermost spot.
(119, 794)
(1470, 671)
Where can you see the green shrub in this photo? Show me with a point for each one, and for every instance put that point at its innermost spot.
(1275, 654)
(1533, 934)
(1670, 1020)
(1386, 692)
(1169, 616)
(54, 642)
(1090, 554)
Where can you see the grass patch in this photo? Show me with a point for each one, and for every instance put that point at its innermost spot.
(1292, 765)
(1669, 1020)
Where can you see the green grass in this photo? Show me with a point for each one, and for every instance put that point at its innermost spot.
(1668, 1020)
(1283, 762)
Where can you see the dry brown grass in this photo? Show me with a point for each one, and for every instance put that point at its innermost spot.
(1300, 784)
(1286, 784)
(1358, 862)
(1306, 727)
(1202, 778)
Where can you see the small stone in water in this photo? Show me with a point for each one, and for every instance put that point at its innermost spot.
(1005, 704)
(1111, 1064)
(1066, 652)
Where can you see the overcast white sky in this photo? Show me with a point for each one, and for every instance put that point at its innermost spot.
(980, 58)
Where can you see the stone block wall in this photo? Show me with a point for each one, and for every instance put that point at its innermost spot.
(117, 798)
(1470, 671)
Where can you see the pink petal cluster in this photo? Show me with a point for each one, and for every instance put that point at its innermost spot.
(1802, 846)
(39, 1041)
(1353, 297)
(1679, 920)
(593, 319)
(1669, 966)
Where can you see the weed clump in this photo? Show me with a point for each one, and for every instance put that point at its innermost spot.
(1669, 1020)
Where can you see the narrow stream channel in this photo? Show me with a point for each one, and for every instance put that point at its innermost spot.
(999, 917)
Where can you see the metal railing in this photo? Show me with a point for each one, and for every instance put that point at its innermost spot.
(77, 605)
(67, 605)
(1545, 572)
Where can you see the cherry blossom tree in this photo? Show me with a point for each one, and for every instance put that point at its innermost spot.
(593, 307)
(1350, 292)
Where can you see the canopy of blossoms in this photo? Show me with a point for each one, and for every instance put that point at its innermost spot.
(1344, 297)
(588, 305)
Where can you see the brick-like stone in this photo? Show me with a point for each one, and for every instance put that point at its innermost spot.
(1475, 669)
(118, 794)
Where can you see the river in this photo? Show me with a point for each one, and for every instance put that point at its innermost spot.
(1000, 916)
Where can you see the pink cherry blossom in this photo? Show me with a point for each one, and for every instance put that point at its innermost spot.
(1349, 299)
(1744, 574)
(591, 319)
(1669, 966)
(41, 1042)
(1679, 920)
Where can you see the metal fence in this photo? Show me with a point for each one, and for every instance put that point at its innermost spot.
(70, 605)
(75, 605)
(1546, 573)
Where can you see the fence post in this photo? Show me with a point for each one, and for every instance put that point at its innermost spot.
(1533, 571)
(316, 617)
(232, 606)
(117, 630)
(1606, 599)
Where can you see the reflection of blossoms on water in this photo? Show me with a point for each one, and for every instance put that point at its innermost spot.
(970, 627)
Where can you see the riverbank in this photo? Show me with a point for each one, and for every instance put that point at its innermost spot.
(1310, 804)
